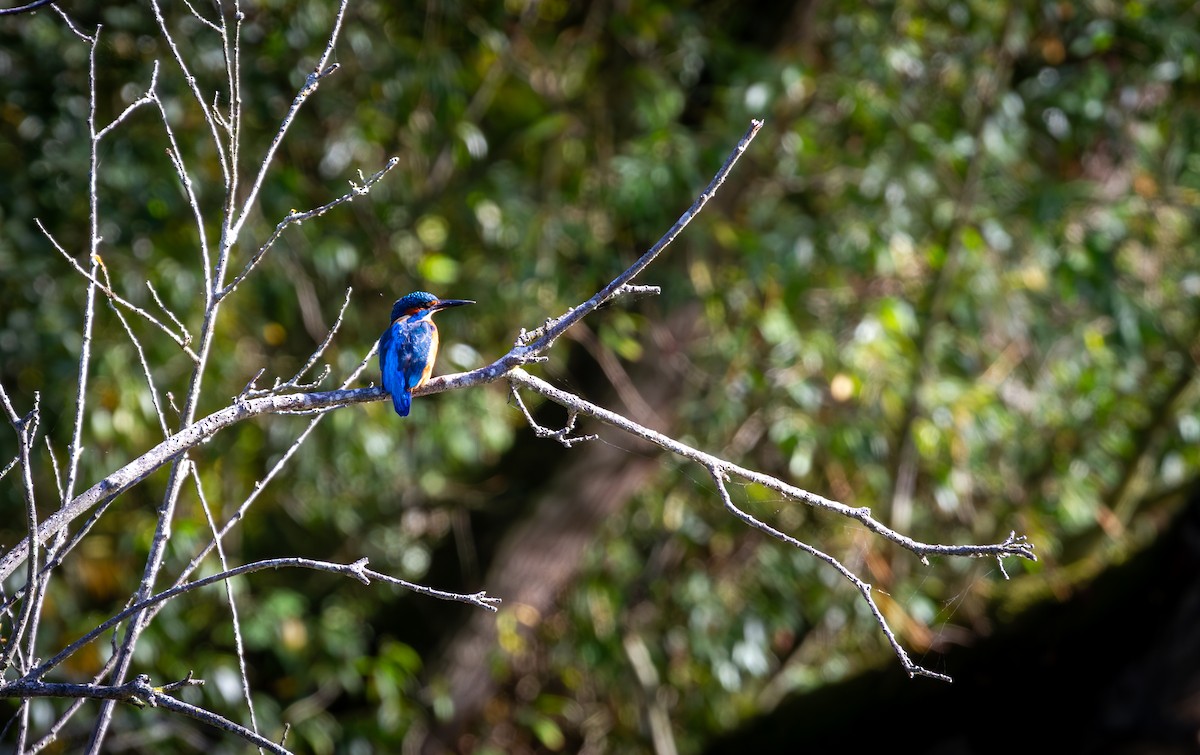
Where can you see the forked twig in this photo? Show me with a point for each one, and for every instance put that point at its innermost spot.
(562, 435)
(720, 477)
(295, 382)
(296, 218)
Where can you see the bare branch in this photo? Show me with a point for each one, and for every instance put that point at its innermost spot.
(182, 341)
(295, 383)
(721, 471)
(58, 481)
(136, 692)
(719, 477)
(27, 8)
(201, 18)
(480, 599)
(190, 79)
(322, 69)
(232, 52)
(295, 218)
(543, 337)
(11, 412)
(137, 345)
(140, 693)
(358, 570)
(250, 389)
(1013, 546)
(562, 435)
(189, 191)
(150, 96)
(26, 429)
(163, 307)
(75, 29)
(239, 645)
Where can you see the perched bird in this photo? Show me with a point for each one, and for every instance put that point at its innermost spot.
(409, 346)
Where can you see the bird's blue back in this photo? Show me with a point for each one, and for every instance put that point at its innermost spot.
(407, 350)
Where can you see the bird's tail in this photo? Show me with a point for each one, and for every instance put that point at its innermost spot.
(402, 400)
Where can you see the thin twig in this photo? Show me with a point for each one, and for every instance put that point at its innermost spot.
(545, 336)
(58, 480)
(190, 79)
(320, 72)
(140, 693)
(562, 435)
(480, 599)
(27, 8)
(296, 217)
(164, 308)
(26, 429)
(189, 191)
(1012, 546)
(181, 341)
(358, 570)
(233, 124)
(295, 382)
(719, 477)
(137, 345)
(75, 29)
(239, 645)
(145, 99)
(201, 18)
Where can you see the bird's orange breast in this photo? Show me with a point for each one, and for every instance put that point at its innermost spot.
(433, 350)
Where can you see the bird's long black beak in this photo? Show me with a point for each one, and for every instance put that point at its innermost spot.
(447, 303)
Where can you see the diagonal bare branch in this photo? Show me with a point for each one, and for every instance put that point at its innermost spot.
(140, 693)
(322, 70)
(296, 218)
(1013, 546)
(357, 570)
(26, 429)
(239, 645)
(183, 340)
(720, 477)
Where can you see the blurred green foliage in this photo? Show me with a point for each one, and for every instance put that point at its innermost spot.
(963, 248)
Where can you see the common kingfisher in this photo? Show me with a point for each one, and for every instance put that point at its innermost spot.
(408, 348)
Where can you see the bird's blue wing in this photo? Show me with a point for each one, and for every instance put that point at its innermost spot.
(390, 348)
(404, 350)
(416, 354)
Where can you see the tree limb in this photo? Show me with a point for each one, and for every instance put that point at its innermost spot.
(139, 693)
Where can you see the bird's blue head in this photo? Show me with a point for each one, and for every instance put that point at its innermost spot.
(422, 304)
